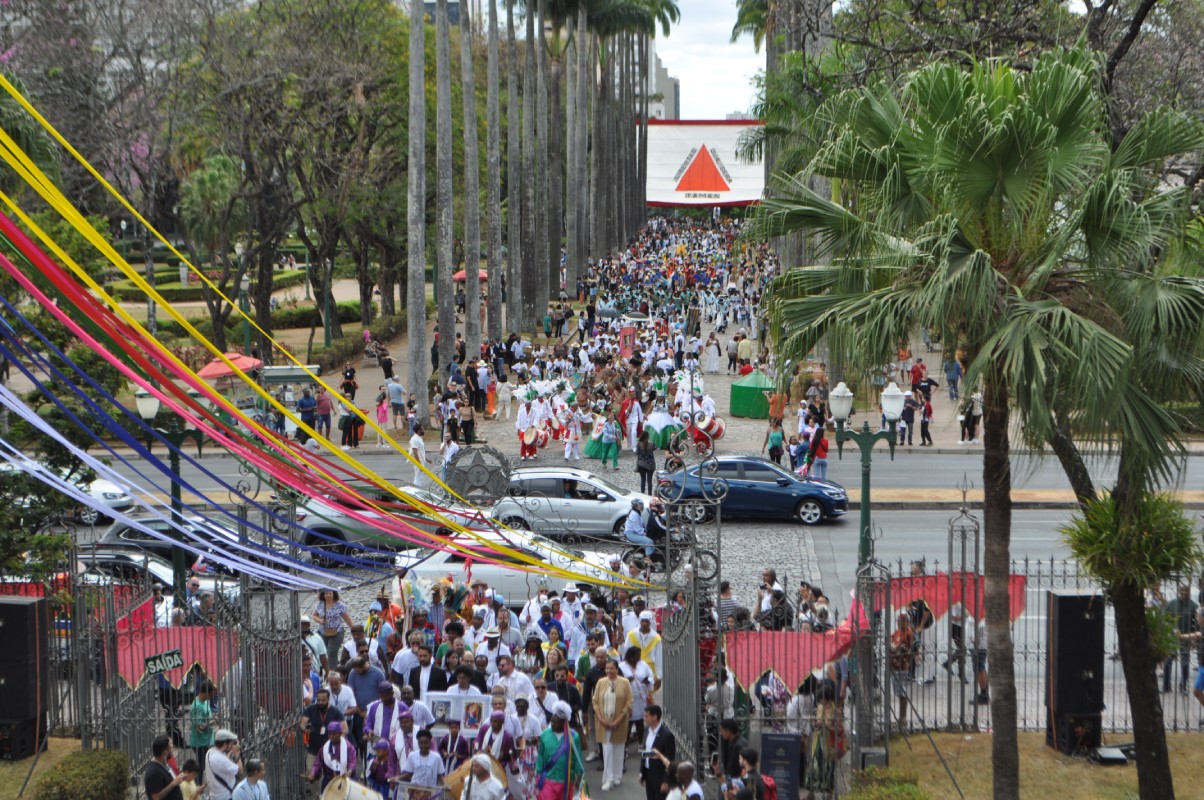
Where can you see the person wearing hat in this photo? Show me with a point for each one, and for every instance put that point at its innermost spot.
(481, 785)
(572, 604)
(335, 759)
(648, 640)
(380, 770)
(493, 649)
(546, 621)
(382, 718)
(631, 614)
(222, 764)
(558, 763)
(527, 417)
(474, 634)
(493, 739)
(377, 627)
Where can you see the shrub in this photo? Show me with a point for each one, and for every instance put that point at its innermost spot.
(173, 292)
(352, 345)
(95, 774)
(886, 784)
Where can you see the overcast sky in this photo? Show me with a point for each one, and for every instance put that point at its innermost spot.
(715, 75)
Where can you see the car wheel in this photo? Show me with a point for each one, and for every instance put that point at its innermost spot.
(517, 523)
(328, 544)
(90, 516)
(620, 526)
(699, 513)
(809, 512)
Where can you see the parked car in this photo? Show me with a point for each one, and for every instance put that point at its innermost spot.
(207, 533)
(566, 504)
(333, 523)
(757, 487)
(107, 493)
(515, 582)
(134, 567)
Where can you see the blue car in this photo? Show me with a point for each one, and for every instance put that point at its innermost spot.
(757, 487)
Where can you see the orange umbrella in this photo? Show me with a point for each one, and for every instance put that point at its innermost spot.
(217, 369)
(459, 276)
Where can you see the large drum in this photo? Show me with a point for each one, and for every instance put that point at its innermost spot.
(555, 423)
(720, 428)
(541, 438)
(343, 789)
(708, 424)
(530, 435)
(455, 780)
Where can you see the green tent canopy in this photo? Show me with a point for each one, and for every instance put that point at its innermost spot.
(747, 397)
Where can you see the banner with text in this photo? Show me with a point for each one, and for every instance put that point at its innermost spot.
(694, 163)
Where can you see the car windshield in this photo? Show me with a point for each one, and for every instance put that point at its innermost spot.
(618, 491)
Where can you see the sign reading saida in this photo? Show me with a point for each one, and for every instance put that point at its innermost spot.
(158, 664)
(694, 163)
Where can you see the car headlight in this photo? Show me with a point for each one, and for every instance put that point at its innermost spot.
(835, 494)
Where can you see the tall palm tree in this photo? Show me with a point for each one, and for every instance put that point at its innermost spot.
(493, 180)
(472, 192)
(982, 200)
(543, 224)
(443, 187)
(516, 207)
(531, 182)
(416, 210)
(579, 185)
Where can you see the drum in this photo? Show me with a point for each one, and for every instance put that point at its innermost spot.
(343, 789)
(455, 780)
(707, 424)
(555, 423)
(720, 427)
(530, 435)
(541, 438)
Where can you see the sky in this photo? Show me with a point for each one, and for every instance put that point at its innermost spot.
(715, 75)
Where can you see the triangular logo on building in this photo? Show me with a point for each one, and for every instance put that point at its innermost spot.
(702, 175)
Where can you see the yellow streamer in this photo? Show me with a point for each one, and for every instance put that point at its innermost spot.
(16, 158)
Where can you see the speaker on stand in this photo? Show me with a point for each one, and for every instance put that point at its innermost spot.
(24, 675)
(1074, 672)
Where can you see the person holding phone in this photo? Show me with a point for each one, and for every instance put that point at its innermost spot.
(160, 781)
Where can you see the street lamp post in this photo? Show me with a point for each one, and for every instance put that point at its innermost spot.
(244, 302)
(178, 431)
(840, 401)
(328, 292)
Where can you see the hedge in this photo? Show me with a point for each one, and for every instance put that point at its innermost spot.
(94, 774)
(282, 319)
(886, 784)
(352, 346)
(126, 291)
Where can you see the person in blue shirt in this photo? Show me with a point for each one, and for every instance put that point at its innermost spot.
(253, 786)
(633, 529)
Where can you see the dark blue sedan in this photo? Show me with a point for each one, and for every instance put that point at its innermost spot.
(757, 487)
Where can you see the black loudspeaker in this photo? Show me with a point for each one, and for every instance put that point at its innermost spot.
(24, 658)
(20, 740)
(1074, 735)
(1074, 669)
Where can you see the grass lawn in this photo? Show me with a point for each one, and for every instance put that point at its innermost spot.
(12, 773)
(1044, 772)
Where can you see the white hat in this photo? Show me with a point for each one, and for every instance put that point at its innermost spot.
(572, 587)
(647, 615)
(907, 394)
(562, 709)
(483, 761)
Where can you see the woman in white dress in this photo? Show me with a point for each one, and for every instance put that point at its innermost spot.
(639, 675)
(712, 350)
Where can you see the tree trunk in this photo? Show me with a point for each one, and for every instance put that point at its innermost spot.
(555, 167)
(997, 513)
(571, 232)
(416, 212)
(526, 317)
(1154, 779)
(1063, 446)
(597, 205)
(472, 194)
(543, 286)
(642, 165)
(443, 188)
(580, 184)
(493, 179)
(515, 202)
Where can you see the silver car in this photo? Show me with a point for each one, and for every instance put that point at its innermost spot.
(566, 504)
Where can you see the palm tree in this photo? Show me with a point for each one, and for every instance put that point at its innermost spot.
(580, 182)
(446, 313)
(416, 210)
(516, 207)
(472, 192)
(986, 201)
(493, 180)
(526, 315)
(28, 135)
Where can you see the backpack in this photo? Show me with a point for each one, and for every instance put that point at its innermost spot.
(771, 788)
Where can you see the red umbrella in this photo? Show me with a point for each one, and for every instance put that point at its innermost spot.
(217, 369)
(459, 276)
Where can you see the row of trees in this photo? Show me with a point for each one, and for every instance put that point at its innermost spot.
(239, 126)
(1040, 207)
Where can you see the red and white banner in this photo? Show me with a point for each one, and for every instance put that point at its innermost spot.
(694, 163)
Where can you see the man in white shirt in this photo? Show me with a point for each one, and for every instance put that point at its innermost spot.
(420, 711)
(474, 634)
(481, 785)
(527, 417)
(571, 605)
(685, 778)
(769, 585)
(221, 765)
(514, 682)
(493, 649)
(530, 612)
(406, 659)
(341, 696)
(418, 453)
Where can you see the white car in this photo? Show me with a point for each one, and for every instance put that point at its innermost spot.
(109, 495)
(569, 505)
(517, 584)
